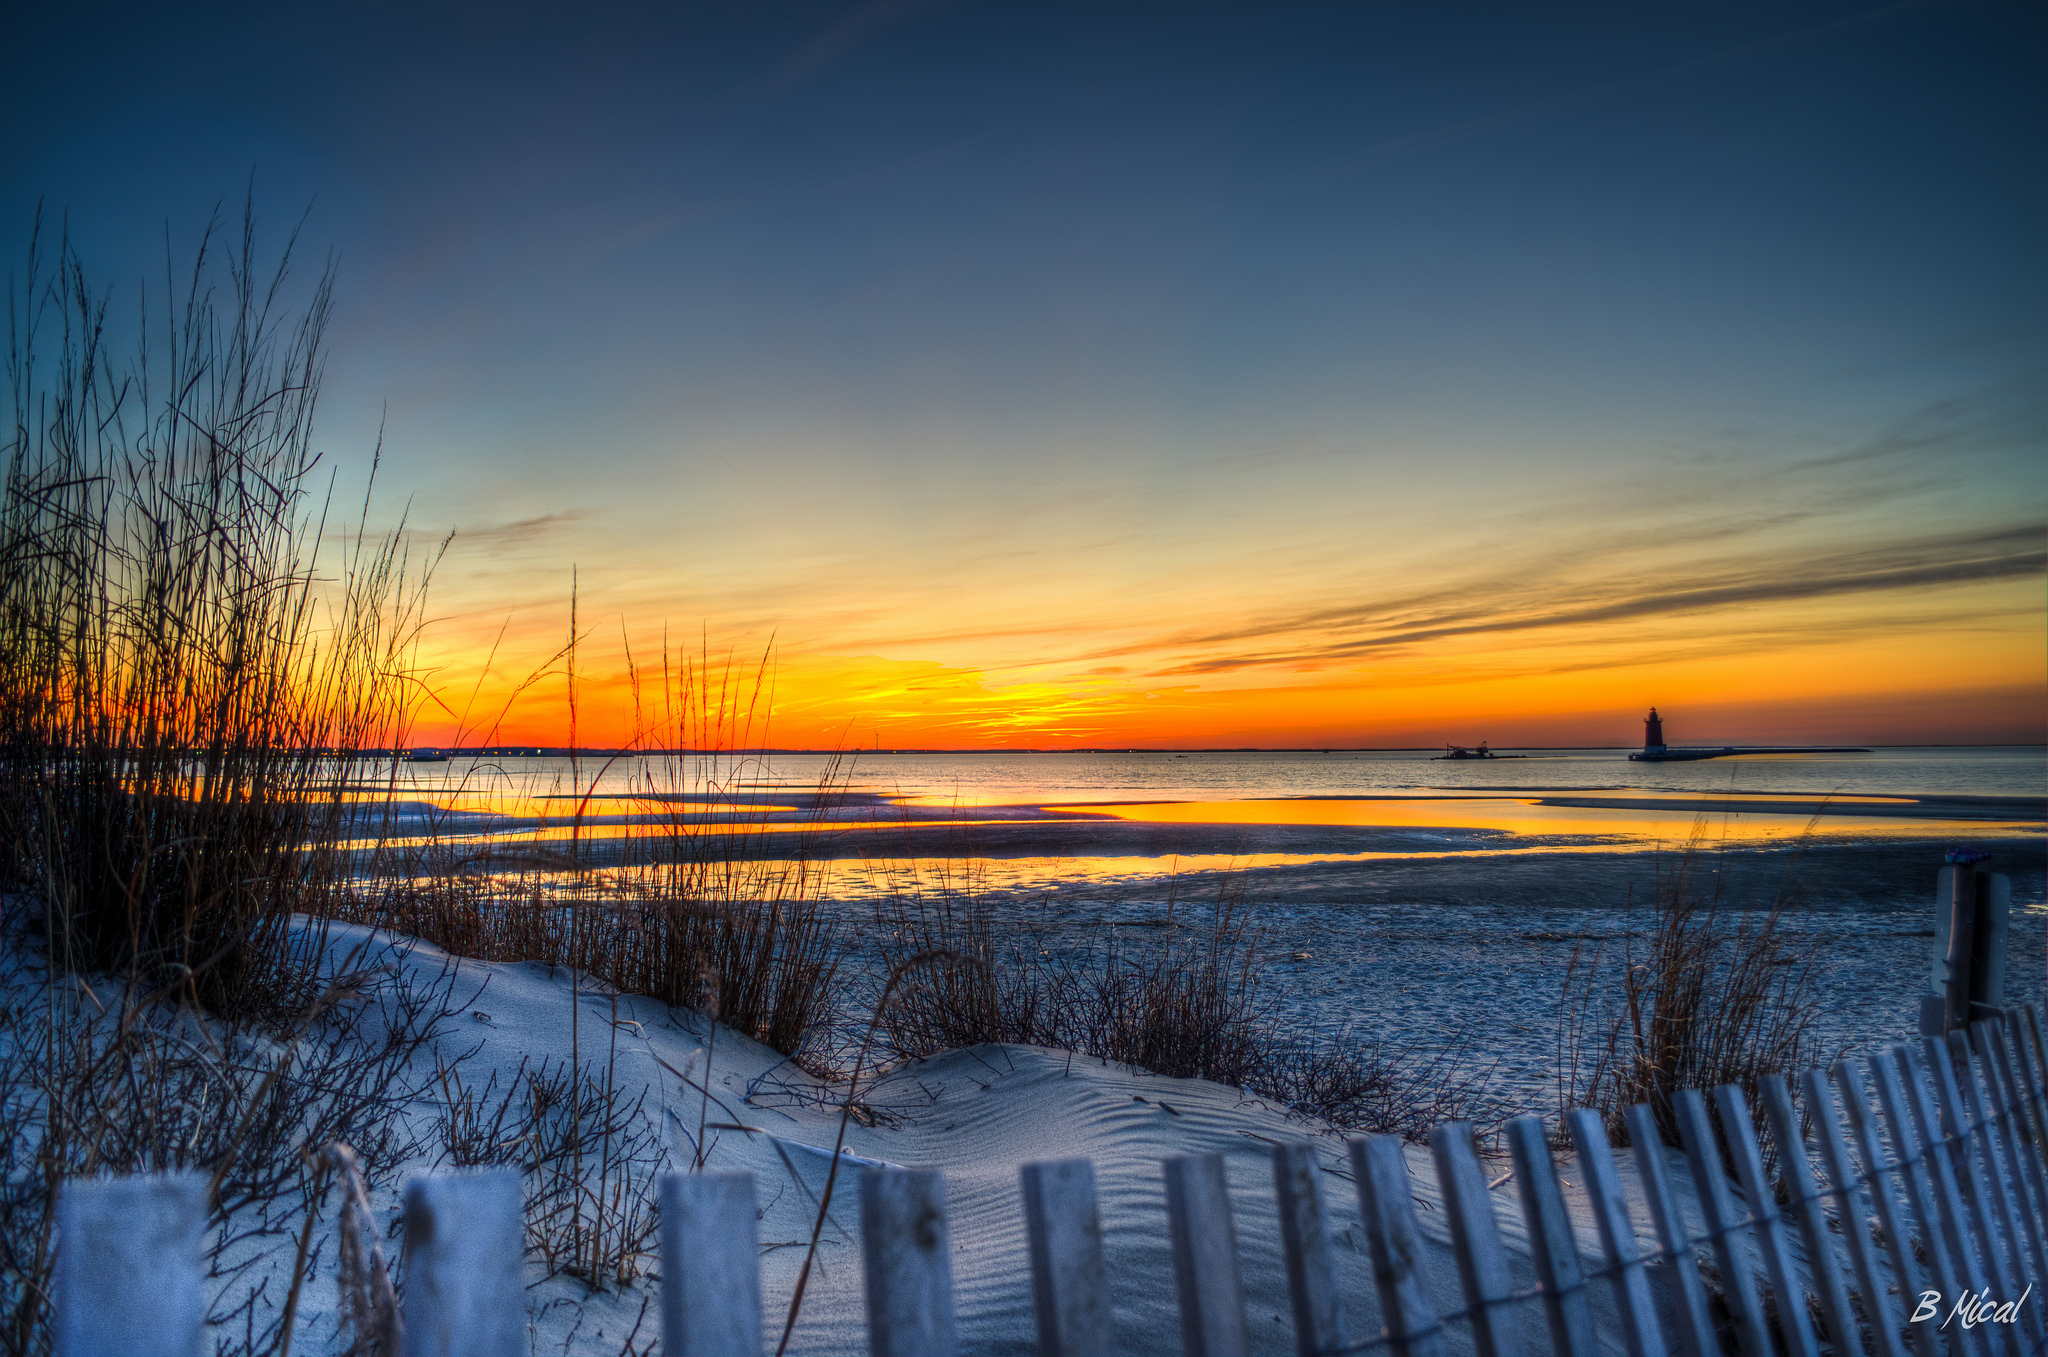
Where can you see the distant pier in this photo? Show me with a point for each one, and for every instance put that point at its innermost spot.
(1656, 751)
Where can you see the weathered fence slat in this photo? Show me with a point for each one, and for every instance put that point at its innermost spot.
(1717, 1206)
(2013, 1172)
(1852, 1216)
(710, 1265)
(1552, 1246)
(1617, 1234)
(1672, 1234)
(1999, 1170)
(1794, 1325)
(130, 1266)
(1983, 1217)
(1069, 1290)
(1386, 1202)
(1916, 1171)
(2026, 1136)
(1305, 1242)
(1806, 1208)
(1475, 1238)
(1948, 1198)
(907, 1255)
(2038, 1059)
(1891, 1221)
(465, 1265)
(1205, 1273)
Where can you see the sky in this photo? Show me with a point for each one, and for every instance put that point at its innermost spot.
(1001, 375)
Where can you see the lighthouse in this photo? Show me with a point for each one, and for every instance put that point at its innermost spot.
(1653, 733)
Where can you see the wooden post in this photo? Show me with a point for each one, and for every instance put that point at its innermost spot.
(908, 1257)
(710, 1265)
(1305, 1241)
(1962, 936)
(1386, 1203)
(1849, 1213)
(465, 1264)
(1475, 1237)
(130, 1267)
(1068, 1288)
(1205, 1273)
(1891, 1221)
(1806, 1208)
(1555, 1252)
(1617, 1233)
(1648, 1142)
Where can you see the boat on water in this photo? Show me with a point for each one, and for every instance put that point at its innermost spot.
(426, 756)
(1654, 749)
(1459, 751)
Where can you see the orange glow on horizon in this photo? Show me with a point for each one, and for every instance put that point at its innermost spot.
(1794, 673)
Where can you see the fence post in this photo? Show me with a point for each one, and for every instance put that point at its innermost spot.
(1068, 1289)
(1617, 1233)
(710, 1265)
(1797, 1174)
(1205, 1273)
(1717, 1205)
(907, 1254)
(1740, 1131)
(130, 1266)
(1863, 1125)
(465, 1263)
(1475, 1237)
(1555, 1250)
(1305, 1240)
(1648, 1142)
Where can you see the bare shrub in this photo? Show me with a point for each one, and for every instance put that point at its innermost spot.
(181, 686)
(589, 1156)
(1188, 1002)
(105, 1078)
(1717, 994)
(1384, 1089)
(775, 956)
(1183, 996)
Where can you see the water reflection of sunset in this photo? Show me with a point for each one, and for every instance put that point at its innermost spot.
(1527, 816)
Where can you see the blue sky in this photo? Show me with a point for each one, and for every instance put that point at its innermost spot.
(1034, 340)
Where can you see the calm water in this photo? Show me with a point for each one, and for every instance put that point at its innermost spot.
(1404, 919)
(1018, 779)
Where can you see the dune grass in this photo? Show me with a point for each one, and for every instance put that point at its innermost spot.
(1719, 991)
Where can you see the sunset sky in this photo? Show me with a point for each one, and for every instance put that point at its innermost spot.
(1043, 375)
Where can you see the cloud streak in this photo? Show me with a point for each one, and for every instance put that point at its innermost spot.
(1933, 562)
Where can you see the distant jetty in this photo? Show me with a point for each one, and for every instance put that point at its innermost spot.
(1656, 751)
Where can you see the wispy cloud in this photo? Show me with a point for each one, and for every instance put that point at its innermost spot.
(518, 533)
(1517, 606)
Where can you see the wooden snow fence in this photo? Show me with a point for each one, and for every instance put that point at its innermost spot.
(1918, 1170)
